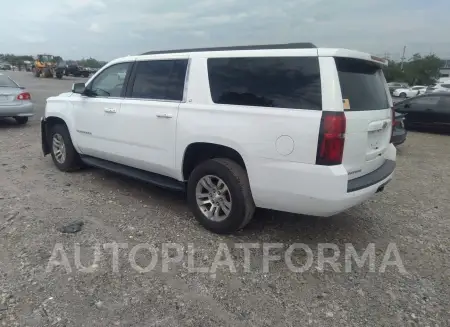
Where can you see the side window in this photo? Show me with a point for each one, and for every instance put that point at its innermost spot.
(283, 82)
(109, 83)
(160, 79)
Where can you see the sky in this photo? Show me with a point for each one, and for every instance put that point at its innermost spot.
(107, 29)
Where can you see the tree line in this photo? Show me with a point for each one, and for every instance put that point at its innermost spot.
(418, 70)
(19, 61)
(423, 70)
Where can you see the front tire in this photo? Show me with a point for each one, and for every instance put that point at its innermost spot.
(64, 155)
(403, 95)
(21, 120)
(219, 195)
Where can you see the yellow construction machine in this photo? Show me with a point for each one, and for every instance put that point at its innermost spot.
(45, 65)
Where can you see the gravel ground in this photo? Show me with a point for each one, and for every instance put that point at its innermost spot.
(36, 200)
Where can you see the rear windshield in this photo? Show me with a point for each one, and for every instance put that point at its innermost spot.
(362, 85)
(5, 81)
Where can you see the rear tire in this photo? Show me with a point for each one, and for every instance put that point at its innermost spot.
(403, 95)
(21, 120)
(239, 202)
(62, 150)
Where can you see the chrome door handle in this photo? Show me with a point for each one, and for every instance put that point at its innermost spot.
(164, 115)
(111, 110)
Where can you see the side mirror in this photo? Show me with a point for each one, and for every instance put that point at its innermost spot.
(78, 88)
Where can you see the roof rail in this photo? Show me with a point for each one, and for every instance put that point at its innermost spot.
(283, 46)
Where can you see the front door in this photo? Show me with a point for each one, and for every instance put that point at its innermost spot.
(148, 115)
(96, 110)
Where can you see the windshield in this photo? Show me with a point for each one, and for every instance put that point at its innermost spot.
(45, 58)
(362, 84)
(5, 81)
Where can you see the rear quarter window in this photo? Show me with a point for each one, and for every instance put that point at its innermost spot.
(283, 82)
(362, 84)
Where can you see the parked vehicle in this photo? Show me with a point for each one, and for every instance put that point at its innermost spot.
(399, 133)
(15, 100)
(430, 110)
(289, 127)
(410, 92)
(5, 67)
(76, 71)
(439, 87)
(396, 85)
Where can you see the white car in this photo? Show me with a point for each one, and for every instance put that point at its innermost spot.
(439, 87)
(410, 92)
(288, 127)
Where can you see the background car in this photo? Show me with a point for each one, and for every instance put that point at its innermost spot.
(409, 92)
(15, 101)
(429, 110)
(439, 87)
(397, 85)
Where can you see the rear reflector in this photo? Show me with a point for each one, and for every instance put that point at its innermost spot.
(24, 96)
(330, 147)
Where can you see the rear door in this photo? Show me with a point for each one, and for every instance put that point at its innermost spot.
(423, 110)
(367, 107)
(443, 110)
(148, 114)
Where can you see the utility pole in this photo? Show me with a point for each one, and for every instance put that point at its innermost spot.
(403, 57)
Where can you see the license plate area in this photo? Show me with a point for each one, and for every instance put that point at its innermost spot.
(375, 140)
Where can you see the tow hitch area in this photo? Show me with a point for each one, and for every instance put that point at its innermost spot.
(380, 189)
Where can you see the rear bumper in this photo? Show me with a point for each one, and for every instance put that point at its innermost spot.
(315, 190)
(399, 138)
(22, 110)
(44, 138)
(373, 178)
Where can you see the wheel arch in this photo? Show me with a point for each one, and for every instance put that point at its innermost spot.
(197, 152)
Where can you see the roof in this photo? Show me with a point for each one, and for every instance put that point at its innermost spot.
(282, 46)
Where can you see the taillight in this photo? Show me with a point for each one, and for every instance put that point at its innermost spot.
(24, 96)
(330, 147)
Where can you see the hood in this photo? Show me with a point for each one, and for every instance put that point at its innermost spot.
(65, 94)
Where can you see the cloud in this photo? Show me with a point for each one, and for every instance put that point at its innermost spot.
(95, 27)
(110, 28)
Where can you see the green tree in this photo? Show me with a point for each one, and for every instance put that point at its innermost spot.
(91, 63)
(423, 70)
(417, 70)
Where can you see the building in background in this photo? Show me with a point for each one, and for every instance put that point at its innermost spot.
(445, 69)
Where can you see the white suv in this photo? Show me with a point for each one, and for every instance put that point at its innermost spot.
(288, 127)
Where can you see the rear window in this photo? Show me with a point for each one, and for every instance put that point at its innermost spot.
(5, 81)
(362, 85)
(283, 82)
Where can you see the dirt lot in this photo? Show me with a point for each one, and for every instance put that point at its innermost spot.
(36, 200)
